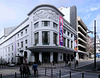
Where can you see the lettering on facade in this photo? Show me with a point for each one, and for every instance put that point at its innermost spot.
(45, 14)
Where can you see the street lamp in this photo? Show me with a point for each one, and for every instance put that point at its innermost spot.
(94, 43)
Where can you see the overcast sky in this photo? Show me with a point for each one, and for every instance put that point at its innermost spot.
(13, 12)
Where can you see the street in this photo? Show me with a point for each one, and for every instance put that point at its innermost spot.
(63, 72)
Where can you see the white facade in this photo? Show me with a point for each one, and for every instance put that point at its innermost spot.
(39, 28)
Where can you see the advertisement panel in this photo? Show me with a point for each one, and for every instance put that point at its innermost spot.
(60, 31)
(75, 43)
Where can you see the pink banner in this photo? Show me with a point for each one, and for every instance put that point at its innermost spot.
(60, 31)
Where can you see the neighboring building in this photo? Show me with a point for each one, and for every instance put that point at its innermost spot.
(44, 36)
(97, 45)
(82, 38)
(89, 47)
(77, 23)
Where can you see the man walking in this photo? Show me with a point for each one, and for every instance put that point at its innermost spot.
(21, 71)
(34, 67)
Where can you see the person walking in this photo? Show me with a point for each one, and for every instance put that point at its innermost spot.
(27, 71)
(34, 67)
(21, 71)
(76, 63)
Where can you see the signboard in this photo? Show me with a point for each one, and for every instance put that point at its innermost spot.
(75, 43)
(60, 31)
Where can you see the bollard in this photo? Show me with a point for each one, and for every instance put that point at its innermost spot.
(82, 75)
(1, 76)
(99, 76)
(70, 74)
(15, 75)
(51, 72)
(45, 71)
(59, 73)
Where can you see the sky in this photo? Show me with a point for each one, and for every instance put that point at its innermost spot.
(13, 12)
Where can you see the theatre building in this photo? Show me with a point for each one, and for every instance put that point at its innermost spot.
(44, 36)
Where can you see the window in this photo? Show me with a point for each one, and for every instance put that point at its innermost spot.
(25, 30)
(25, 41)
(68, 43)
(55, 25)
(36, 25)
(26, 47)
(36, 37)
(71, 44)
(22, 33)
(45, 37)
(18, 35)
(64, 31)
(8, 49)
(55, 38)
(68, 33)
(18, 44)
(22, 44)
(12, 47)
(64, 41)
(46, 23)
(71, 35)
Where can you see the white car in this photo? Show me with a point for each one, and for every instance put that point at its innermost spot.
(11, 65)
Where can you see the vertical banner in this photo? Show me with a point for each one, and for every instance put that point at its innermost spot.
(60, 31)
(75, 43)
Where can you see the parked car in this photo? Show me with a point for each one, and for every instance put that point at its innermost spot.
(11, 65)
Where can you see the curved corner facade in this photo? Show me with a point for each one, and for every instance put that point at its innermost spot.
(44, 36)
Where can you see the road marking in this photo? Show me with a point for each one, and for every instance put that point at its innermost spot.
(71, 74)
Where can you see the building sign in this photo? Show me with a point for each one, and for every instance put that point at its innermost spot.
(75, 43)
(60, 31)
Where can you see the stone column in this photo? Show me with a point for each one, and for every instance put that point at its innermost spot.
(33, 57)
(40, 56)
(51, 56)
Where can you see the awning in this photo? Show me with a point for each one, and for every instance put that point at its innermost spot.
(51, 49)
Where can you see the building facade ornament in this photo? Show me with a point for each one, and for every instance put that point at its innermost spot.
(45, 14)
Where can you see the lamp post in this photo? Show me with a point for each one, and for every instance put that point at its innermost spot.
(94, 44)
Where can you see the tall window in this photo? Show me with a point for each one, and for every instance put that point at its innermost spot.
(64, 41)
(22, 44)
(12, 47)
(64, 31)
(22, 33)
(71, 44)
(68, 43)
(36, 37)
(45, 37)
(36, 25)
(71, 35)
(55, 25)
(46, 23)
(68, 33)
(55, 38)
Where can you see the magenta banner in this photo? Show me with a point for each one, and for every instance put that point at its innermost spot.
(60, 31)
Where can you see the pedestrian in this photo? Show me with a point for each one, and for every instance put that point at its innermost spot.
(53, 62)
(21, 71)
(34, 67)
(76, 63)
(66, 62)
(27, 71)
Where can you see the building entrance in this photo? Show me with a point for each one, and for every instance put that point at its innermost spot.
(46, 57)
(64, 57)
(36, 57)
(55, 57)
